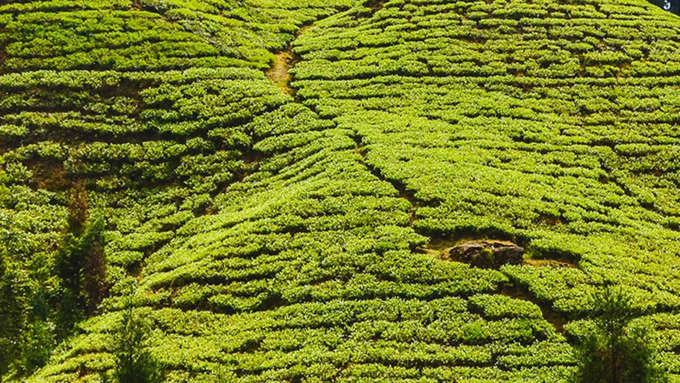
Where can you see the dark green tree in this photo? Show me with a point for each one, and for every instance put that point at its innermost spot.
(614, 351)
(26, 331)
(79, 266)
(134, 363)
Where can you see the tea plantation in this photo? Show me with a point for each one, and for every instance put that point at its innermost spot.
(281, 183)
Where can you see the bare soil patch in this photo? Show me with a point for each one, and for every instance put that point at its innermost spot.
(280, 71)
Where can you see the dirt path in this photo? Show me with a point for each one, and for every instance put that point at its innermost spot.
(280, 71)
(284, 61)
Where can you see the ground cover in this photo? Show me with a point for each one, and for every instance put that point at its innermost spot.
(297, 228)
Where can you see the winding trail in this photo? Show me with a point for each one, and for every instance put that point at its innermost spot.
(284, 61)
(280, 71)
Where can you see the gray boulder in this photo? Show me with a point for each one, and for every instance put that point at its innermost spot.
(487, 253)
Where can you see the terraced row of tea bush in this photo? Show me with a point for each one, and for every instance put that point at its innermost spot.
(553, 124)
(306, 273)
(272, 238)
(576, 164)
(131, 110)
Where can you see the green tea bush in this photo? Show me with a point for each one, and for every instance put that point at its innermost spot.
(279, 246)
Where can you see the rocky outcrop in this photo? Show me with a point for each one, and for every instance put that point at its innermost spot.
(487, 253)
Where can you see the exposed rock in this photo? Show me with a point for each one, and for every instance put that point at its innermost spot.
(375, 4)
(486, 253)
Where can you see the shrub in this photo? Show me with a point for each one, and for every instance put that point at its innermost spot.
(614, 351)
(134, 363)
(37, 344)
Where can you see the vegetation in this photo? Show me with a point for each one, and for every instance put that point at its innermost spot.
(133, 362)
(35, 316)
(615, 352)
(25, 336)
(79, 267)
(291, 236)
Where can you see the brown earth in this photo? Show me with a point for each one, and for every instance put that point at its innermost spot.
(280, 71)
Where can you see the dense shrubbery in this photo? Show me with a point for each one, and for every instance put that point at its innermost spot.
(80, 268)
(25, 334)
(37, 313)
(27, 290)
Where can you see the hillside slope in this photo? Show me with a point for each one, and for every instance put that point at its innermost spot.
(300, 234)
(546, 123)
